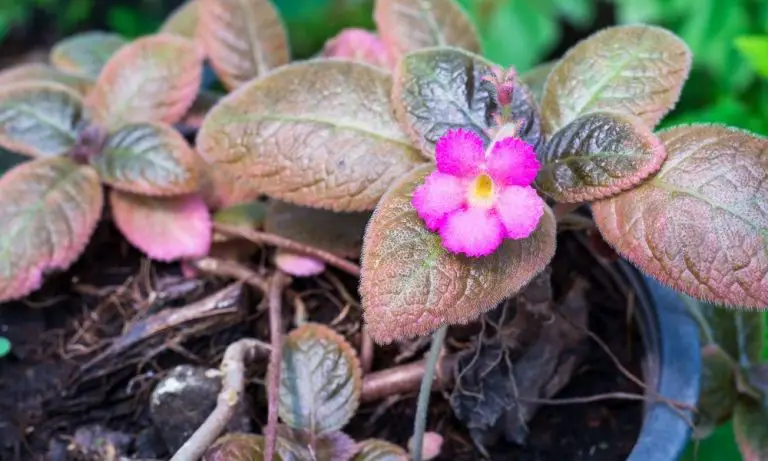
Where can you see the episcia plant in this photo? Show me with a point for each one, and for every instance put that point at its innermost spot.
(100, 113)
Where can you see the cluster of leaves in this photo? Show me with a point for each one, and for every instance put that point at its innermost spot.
(735, 379)
(320, 386)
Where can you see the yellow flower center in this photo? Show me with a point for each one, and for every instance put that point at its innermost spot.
(482, 191)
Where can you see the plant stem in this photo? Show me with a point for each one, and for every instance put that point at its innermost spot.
(420, 424)
(274, 298)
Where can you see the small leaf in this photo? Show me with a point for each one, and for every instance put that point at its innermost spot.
(740, 333)
(357, 45)
(410, 25)
(238, 447)
(251, 215)
(598, 155)
(700, 225)
(379, 450)
(183, 20)
(537, 77)
(635, 70)
(297, 264)
(86, 53)
(153, 79)
(411, 285)
(148, 159)
(48, 209)
(5, 346)
(439, 89)
(320, 380)
(750, 423)
(243, 39)
(43, 73)
(300, 445)
(167, 228)
(336, 146)
(338, 233)
(39, 119)
(718, 394)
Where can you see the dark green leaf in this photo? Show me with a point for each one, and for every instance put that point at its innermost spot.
(718, 394)
(740, 333)
(750, 423)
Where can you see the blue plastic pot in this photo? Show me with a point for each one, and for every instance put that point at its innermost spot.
(672, 367)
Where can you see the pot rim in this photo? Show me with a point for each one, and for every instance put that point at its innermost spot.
(672, 366)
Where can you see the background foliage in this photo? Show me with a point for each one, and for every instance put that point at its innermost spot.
(729, 39)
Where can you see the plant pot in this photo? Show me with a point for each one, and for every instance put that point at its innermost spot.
(672, 367)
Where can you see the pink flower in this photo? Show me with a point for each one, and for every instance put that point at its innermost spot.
(477, 198)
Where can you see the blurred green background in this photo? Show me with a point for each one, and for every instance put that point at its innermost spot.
(729, 38)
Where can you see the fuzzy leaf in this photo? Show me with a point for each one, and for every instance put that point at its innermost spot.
(300, 445)
(320, 380)
(357, 45)
(700, 225)
(750, 423)
(635, 70)
(411, 285)
(153, 79)
(718, 394)
(410, 25)
(238, 447)
(740, 333)
(379, 450)
(442, 88)
(39, 119)
(536, 78)
(43, 73)
(339, 233)
(165, 228)
(319, 133)
(243, 39)
(598, 155)
(149, 159)
(183, 20)
(86, 53)
(48, 209)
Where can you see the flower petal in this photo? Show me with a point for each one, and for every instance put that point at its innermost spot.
(519, 209)
(459, 152)
(474, 232)
(513, 162)
(439, 195)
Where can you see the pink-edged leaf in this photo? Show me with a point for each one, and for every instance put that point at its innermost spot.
(750, 424)
(243, 39)
(430, 447)
(411, 285)
(86, 53)
(338, 233)
(299, 445)
(239, 447)
(598, 155)
(357, 45)
(165, 228)
(630, 69)
(43, 73)
(409, 25)
(39, 119)
(48, 210)
(320, 380)
(183, 20)
(336, 147)
(153, 79)
(700, 225)
(298, 265)
(379, 450)
(148, 159)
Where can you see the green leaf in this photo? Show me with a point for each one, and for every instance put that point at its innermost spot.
(439, 89)
(153, 79)
(320, 380)
(39, 119)
(537, 77)
(750, 423)
(755, 50)
(635, 70)
(379, 450)
(239, 447)
(740, 333)
(149, 159)
(86, 53)
(43, 73)
(718, 394)
(598, 155)
(5, 346)
(338, 233)
(411, 285)
(183, 20)
(48, 209)
(250, 214)
(243, 39)
(410, 25)
(700, 224)
(337, 146)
